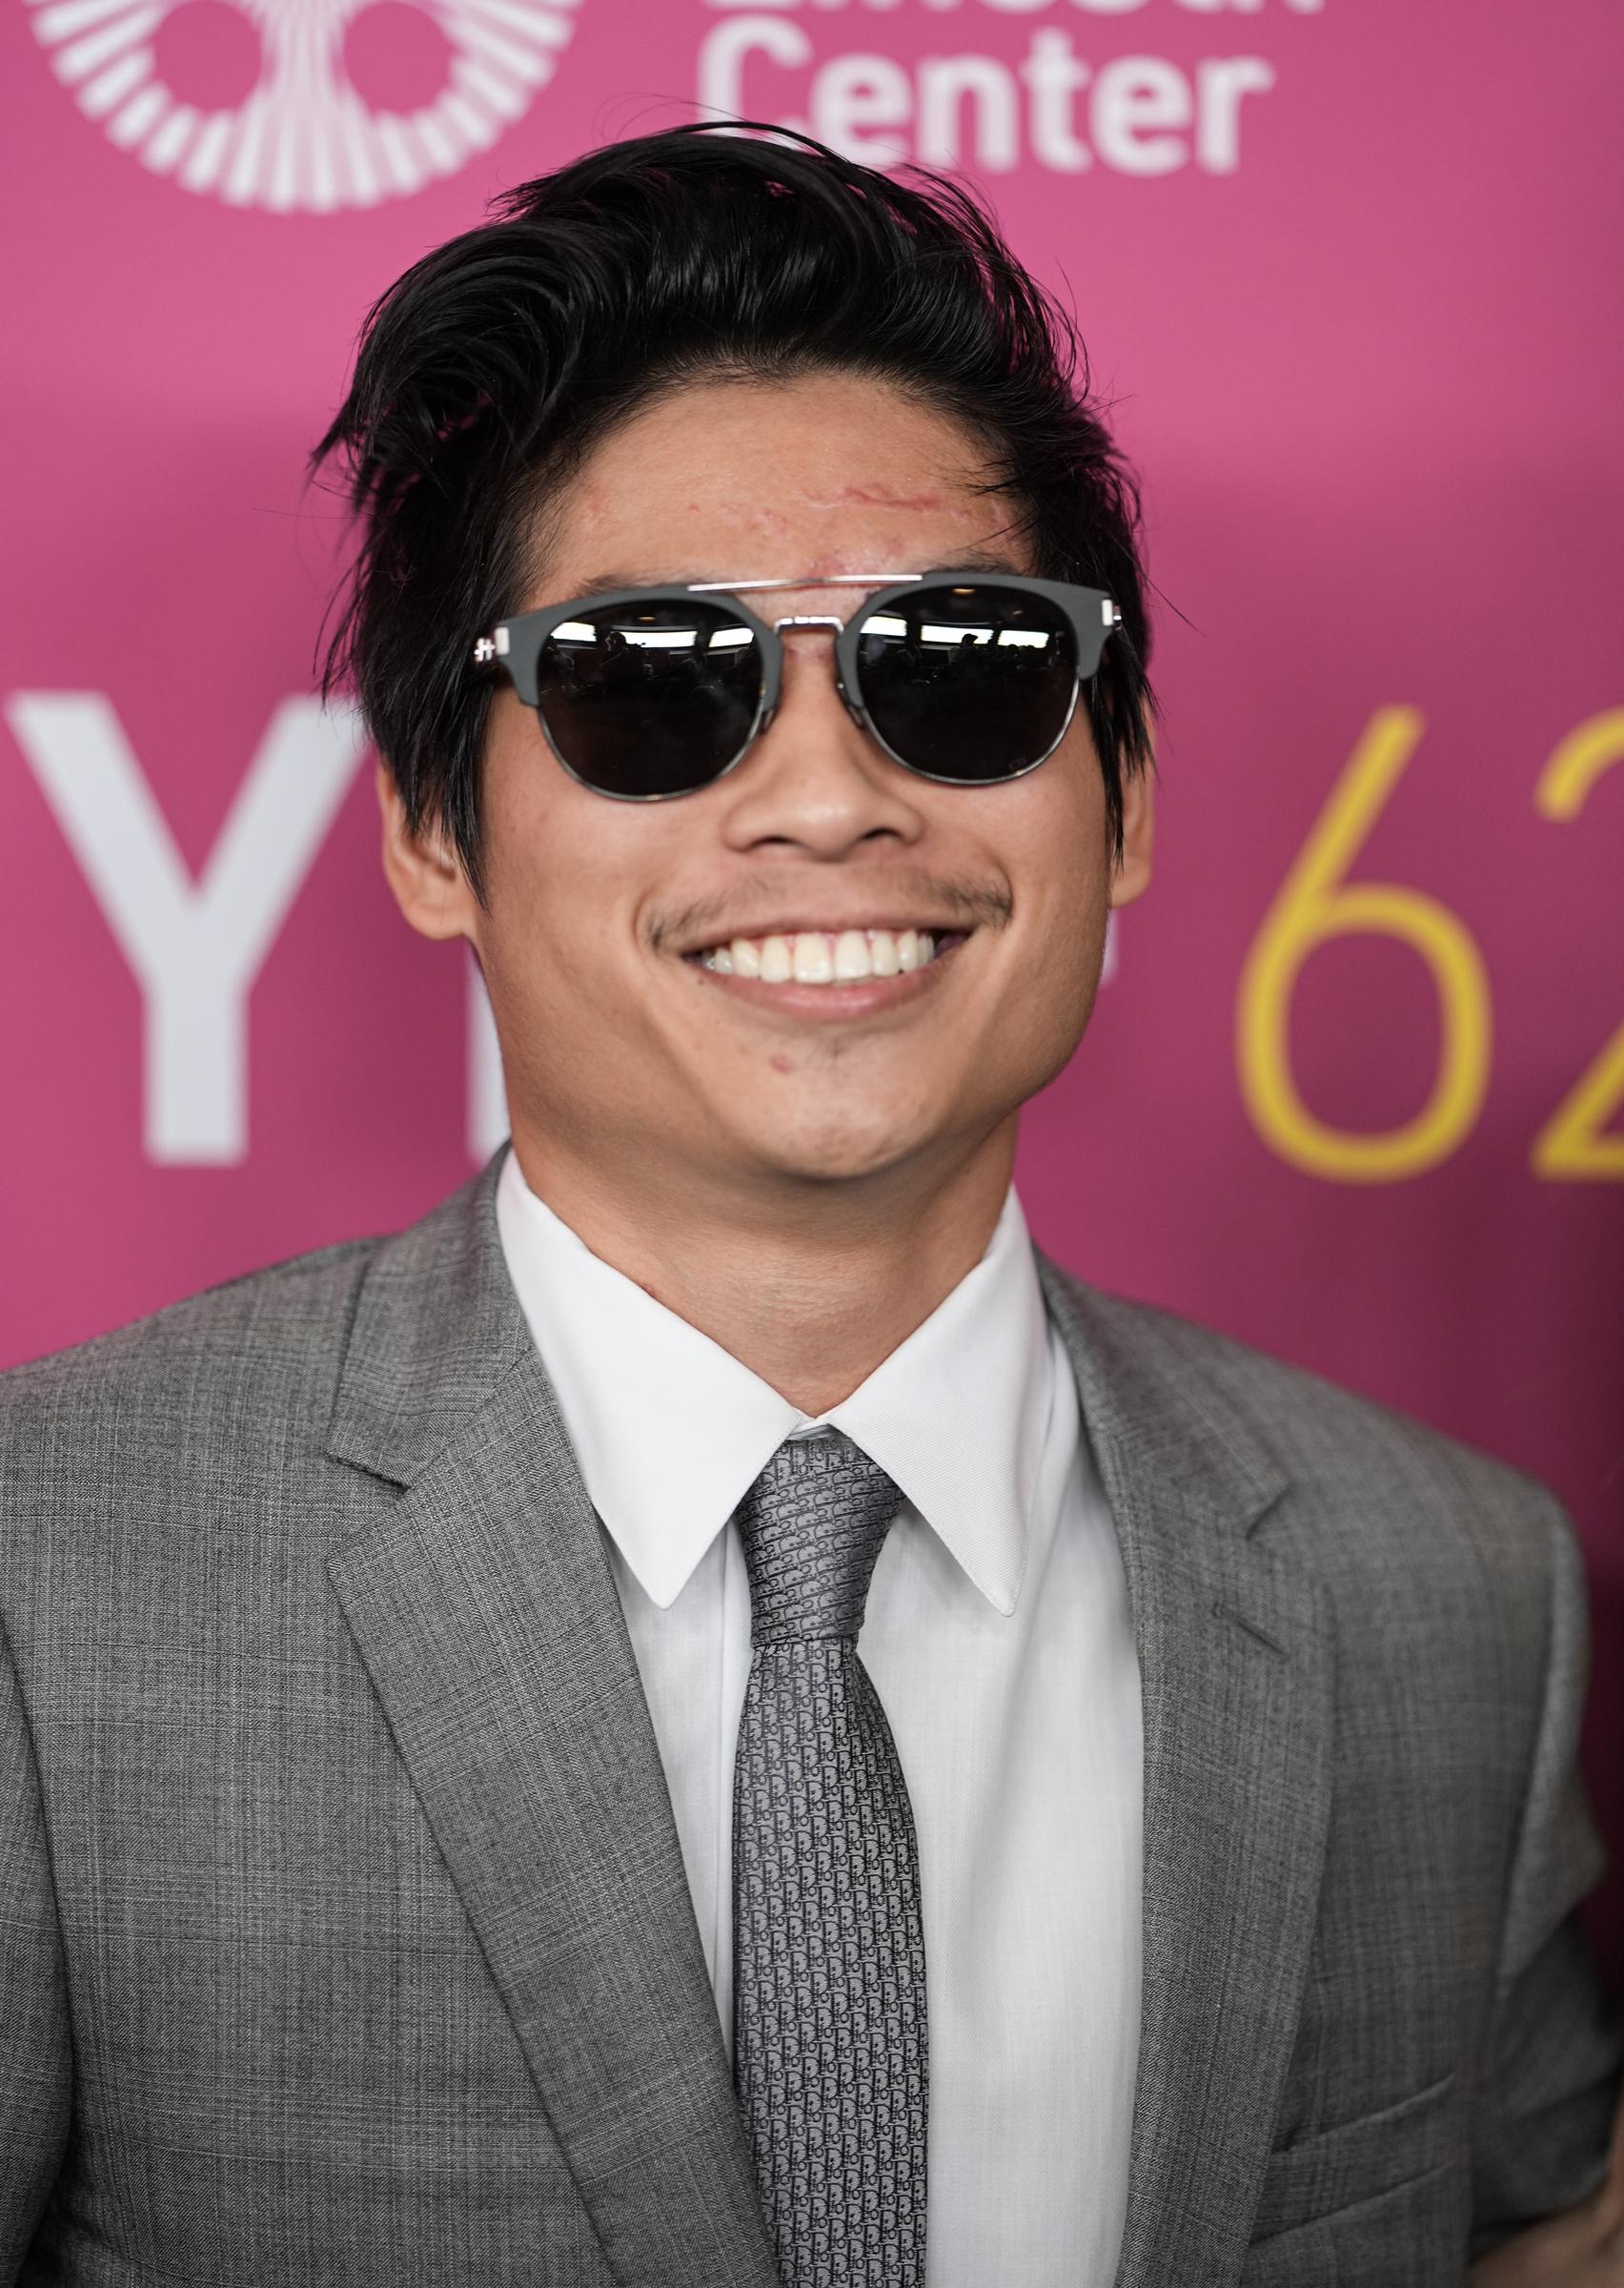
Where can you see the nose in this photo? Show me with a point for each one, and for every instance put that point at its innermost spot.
(815, 781)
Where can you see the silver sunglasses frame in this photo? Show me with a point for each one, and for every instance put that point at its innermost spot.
(514, 646)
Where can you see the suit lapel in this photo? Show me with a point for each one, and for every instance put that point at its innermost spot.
(1235, 1679)
(484, 1609)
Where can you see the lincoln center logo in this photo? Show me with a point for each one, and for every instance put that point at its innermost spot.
(312, 103)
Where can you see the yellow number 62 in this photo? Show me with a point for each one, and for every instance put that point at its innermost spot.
(1316, 903)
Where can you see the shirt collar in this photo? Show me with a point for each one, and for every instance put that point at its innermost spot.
(671, 1431)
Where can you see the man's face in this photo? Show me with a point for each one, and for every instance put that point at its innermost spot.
(621, 1049)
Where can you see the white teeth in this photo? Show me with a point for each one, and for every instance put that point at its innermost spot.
(851, 956)
(813, 965)
(822, 957)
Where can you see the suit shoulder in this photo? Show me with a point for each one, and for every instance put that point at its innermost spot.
(1321, 1431)
(1380, 1485)
(264, 1328)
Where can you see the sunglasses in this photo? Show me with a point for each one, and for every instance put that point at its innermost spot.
(966, 678)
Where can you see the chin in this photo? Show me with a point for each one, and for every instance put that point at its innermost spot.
(844, 1154)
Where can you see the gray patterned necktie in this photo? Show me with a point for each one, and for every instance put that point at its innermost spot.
(830, 2056)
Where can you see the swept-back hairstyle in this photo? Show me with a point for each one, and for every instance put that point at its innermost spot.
(487, 372)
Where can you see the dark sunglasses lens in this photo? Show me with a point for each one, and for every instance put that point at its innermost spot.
(646, 699)
(972, 684)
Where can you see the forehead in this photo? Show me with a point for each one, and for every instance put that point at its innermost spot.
(747, 479)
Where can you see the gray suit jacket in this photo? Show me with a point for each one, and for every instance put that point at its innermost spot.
(344, 1936)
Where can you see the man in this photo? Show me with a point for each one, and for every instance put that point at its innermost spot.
(706, 1715)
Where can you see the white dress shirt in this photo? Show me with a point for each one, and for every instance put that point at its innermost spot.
(997, 1635)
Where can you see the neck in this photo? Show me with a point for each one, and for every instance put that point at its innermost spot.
(811, 1285)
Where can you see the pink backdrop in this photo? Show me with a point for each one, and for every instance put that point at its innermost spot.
(1355, 1089)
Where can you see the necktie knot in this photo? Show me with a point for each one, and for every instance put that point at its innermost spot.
(812, 1527)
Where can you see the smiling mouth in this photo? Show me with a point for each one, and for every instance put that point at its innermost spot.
(827, 957)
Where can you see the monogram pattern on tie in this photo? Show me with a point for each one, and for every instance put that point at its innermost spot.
(830, 2048)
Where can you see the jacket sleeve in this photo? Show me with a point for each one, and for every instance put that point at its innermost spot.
(1551, 2068)
(36, 2073)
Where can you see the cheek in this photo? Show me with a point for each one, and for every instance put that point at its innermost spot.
(539, 852)
(522, 783)
(1060, 859)
(565, 875)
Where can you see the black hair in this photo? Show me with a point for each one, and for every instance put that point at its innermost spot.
(486, 372)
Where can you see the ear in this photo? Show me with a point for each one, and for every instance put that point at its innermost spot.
(1130, 875)
(423, 870)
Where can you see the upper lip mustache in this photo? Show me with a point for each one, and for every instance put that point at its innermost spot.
(832, 929)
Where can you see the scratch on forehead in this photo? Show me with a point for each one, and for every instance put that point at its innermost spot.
(877, 496)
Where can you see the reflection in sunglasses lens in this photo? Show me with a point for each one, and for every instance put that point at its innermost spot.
(650, 698)
(968, 683)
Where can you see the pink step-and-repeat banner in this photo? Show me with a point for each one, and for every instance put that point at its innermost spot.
(1350, 271)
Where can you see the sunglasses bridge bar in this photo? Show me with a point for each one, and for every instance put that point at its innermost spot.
(496, 643)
